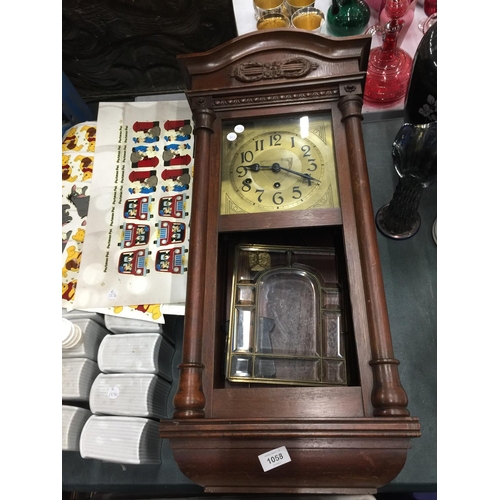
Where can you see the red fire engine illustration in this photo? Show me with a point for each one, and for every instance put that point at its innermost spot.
(134, 235)
(134, 262)
(171, 260)
(173, 206)
(169, 232)
(138, 208)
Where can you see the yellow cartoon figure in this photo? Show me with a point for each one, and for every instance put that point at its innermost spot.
(79, 236)
(86, 166)
(72, 261)
(70, 142)
(66, 170)
(90, 137)
(68, 290)
(153, 309)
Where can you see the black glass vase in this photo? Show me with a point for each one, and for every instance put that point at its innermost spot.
(414, 152)
(414, 149)
(421, 99)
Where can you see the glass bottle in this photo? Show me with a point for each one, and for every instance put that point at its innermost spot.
(430, 7)
(415, 147)
(415, 159)
(421, 99)
(347, 17)
(389, 68)
(402, 10)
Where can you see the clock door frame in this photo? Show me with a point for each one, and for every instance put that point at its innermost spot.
(361, 431)
(229, 400)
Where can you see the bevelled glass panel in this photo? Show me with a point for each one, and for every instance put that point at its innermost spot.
(332, 339)
(289, 369)
(265, 368)
(246, 295)
(334, 371)
(330, 298)
(292, 330)
(323, 263)
(241, 366)
(286, 317)
(242, 338)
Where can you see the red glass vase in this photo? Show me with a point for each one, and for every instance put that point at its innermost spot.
(389, 69)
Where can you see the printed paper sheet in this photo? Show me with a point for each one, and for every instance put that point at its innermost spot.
(137, 230)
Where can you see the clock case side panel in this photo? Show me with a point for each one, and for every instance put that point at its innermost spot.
(352, 262)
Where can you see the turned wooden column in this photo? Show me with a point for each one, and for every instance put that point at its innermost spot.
(189, 401)
(388, 396)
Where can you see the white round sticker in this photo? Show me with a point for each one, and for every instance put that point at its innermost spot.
(231, 136)
(113, 392)
(239, 129)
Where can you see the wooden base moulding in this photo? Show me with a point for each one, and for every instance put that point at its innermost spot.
(341, 456)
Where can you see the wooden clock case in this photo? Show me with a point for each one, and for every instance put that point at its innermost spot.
(341, 439)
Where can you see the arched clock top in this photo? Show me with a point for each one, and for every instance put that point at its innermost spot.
(281, 56)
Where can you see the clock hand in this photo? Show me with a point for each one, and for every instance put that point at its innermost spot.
(276, 167)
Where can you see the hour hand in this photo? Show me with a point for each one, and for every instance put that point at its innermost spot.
(243, 169)
(254, 167)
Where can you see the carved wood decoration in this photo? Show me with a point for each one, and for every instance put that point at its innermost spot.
(291, 68)
(114, 49)
(341, 439)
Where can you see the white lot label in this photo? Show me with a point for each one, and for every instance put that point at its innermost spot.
(274, 458)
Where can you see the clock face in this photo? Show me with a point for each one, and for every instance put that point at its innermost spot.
(278, 163)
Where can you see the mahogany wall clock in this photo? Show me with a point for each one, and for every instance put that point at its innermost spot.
(287, 344)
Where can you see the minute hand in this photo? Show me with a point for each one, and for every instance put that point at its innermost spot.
(276, 167)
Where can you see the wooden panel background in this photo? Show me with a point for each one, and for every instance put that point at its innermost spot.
(120, 49)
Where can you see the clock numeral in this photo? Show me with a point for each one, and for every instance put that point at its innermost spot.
(259, 145)
(277, 198)
(312, 165)
(246, 157)
(242, 171)
(245, 185)
(261, 192)
(306, 150)
(296, 191)
(293, 141)
(275, 140)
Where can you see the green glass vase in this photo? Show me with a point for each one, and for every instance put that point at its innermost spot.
(347, 17)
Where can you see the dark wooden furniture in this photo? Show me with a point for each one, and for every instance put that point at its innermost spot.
(120, 50)
(351, 439)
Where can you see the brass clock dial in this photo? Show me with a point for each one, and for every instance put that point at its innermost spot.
(278, 163)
